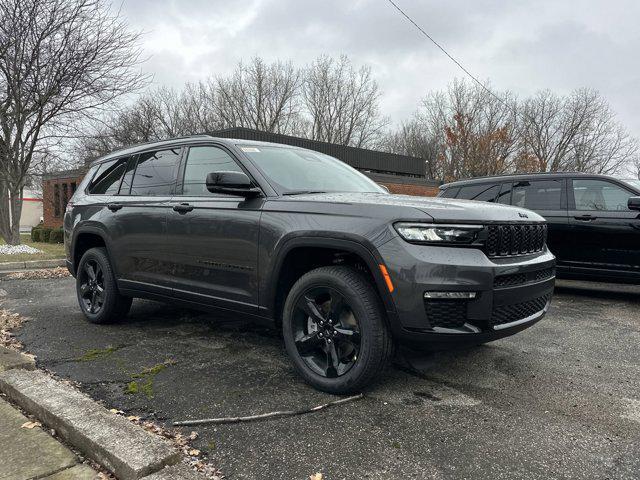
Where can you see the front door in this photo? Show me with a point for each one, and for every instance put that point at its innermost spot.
(606, 233)
(213, 238)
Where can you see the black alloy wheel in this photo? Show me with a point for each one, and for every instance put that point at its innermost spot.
(326, 332)
(97, 289)
(335, 329)
(92, 288)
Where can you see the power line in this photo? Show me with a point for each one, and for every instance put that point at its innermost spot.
(421, 30)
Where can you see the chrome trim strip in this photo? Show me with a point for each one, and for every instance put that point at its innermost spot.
(523, 320)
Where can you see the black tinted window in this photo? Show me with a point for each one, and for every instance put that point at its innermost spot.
(125, 186)
(485, 192)
(200, 162)
(504, 196)
(600, 195)
(155, 172)
(538, 194)
(449, 193)
(107, 179)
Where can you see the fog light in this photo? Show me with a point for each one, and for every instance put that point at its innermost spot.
(450, 295)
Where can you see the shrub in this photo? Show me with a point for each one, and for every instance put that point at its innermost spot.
(44, 234)
(56, 236)
(35, 233)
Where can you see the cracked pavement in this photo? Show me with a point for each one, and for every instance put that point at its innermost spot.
(559, 400)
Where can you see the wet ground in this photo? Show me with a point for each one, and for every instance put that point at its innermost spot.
(559, 400)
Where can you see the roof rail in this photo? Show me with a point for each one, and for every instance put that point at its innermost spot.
(502, 175)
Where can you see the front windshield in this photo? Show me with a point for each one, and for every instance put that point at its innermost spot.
(295, 170)
(635, 183)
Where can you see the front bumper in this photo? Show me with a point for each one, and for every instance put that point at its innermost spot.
(512, 293)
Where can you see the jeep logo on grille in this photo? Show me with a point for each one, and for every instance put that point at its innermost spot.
(523, 215)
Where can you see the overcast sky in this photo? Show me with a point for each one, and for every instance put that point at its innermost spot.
(523, 46)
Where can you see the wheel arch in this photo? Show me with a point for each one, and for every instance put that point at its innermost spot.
(84, 239)
(280, 282)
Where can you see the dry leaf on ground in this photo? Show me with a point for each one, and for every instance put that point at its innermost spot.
(30, 425)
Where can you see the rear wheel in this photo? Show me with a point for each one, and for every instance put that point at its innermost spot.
(97, 290)
(334, 330)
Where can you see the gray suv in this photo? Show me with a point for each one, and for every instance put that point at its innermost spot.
(304, 242)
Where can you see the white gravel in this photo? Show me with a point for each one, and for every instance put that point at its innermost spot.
(17, 249)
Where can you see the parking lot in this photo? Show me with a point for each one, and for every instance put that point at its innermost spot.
(559, 400)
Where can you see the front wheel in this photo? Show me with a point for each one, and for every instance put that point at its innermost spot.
(334, 330)
(97, 290)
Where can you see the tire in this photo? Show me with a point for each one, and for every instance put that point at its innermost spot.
(349, 302)
(99, 298)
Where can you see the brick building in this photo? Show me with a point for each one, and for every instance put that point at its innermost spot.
(399, 173)
(57, 189)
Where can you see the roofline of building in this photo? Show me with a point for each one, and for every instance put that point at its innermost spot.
(321, 142)
(73, 173)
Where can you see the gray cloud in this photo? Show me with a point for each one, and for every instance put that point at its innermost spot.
(517, 45)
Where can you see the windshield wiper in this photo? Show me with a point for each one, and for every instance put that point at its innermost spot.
(302, 192)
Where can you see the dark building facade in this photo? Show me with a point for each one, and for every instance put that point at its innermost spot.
(399, 173)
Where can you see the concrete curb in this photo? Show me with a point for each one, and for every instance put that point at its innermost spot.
(122, 447)
(10, 359)
(32, 264)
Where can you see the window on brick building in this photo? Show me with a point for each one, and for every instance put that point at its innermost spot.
(56, 200)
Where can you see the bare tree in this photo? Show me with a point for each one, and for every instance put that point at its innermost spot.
(475, 130)
(342, 103)
(60, 60)
(578, 132)
(414, 138)
(259, 95)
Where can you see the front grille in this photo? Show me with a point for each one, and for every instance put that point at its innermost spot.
(446, 313)
(518, 311)
(517, 239)
(521, 278)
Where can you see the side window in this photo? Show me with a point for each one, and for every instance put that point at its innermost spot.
(200, 162)
(107, 179)
(155, 172)
(538, 194)
(449, 192)
(485, 192)
(125, 186)
(591, 195)
(504, 197)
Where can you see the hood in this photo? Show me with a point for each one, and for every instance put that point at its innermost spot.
(440, 209)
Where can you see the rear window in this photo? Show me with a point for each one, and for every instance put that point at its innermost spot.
(538, 194)
(155, 173)
(485, 192)
(107, 179)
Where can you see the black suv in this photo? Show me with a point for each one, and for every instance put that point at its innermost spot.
(594, 220)
(304, 242)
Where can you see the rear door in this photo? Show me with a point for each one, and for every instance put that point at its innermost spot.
(547, 197)
(606, 233)
(140, 220)
(213, 238)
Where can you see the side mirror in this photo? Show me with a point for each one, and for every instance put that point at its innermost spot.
(633, 203)
(233, 183)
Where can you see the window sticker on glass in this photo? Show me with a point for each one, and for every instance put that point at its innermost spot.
(250, 149)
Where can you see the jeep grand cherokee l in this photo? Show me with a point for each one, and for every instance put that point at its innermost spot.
(301, 240)
(593, 220)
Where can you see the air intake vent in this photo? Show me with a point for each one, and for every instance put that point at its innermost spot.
(511, 240)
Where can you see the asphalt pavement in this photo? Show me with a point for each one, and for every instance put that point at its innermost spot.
(559, 400)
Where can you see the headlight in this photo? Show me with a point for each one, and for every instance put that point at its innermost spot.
(433, 233)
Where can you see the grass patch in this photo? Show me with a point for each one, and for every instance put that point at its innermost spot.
(143, 382)
(50, 251)
(96, 353)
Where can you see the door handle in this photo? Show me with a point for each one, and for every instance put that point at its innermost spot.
(585, 218)
(183, 208)
(114, 207)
